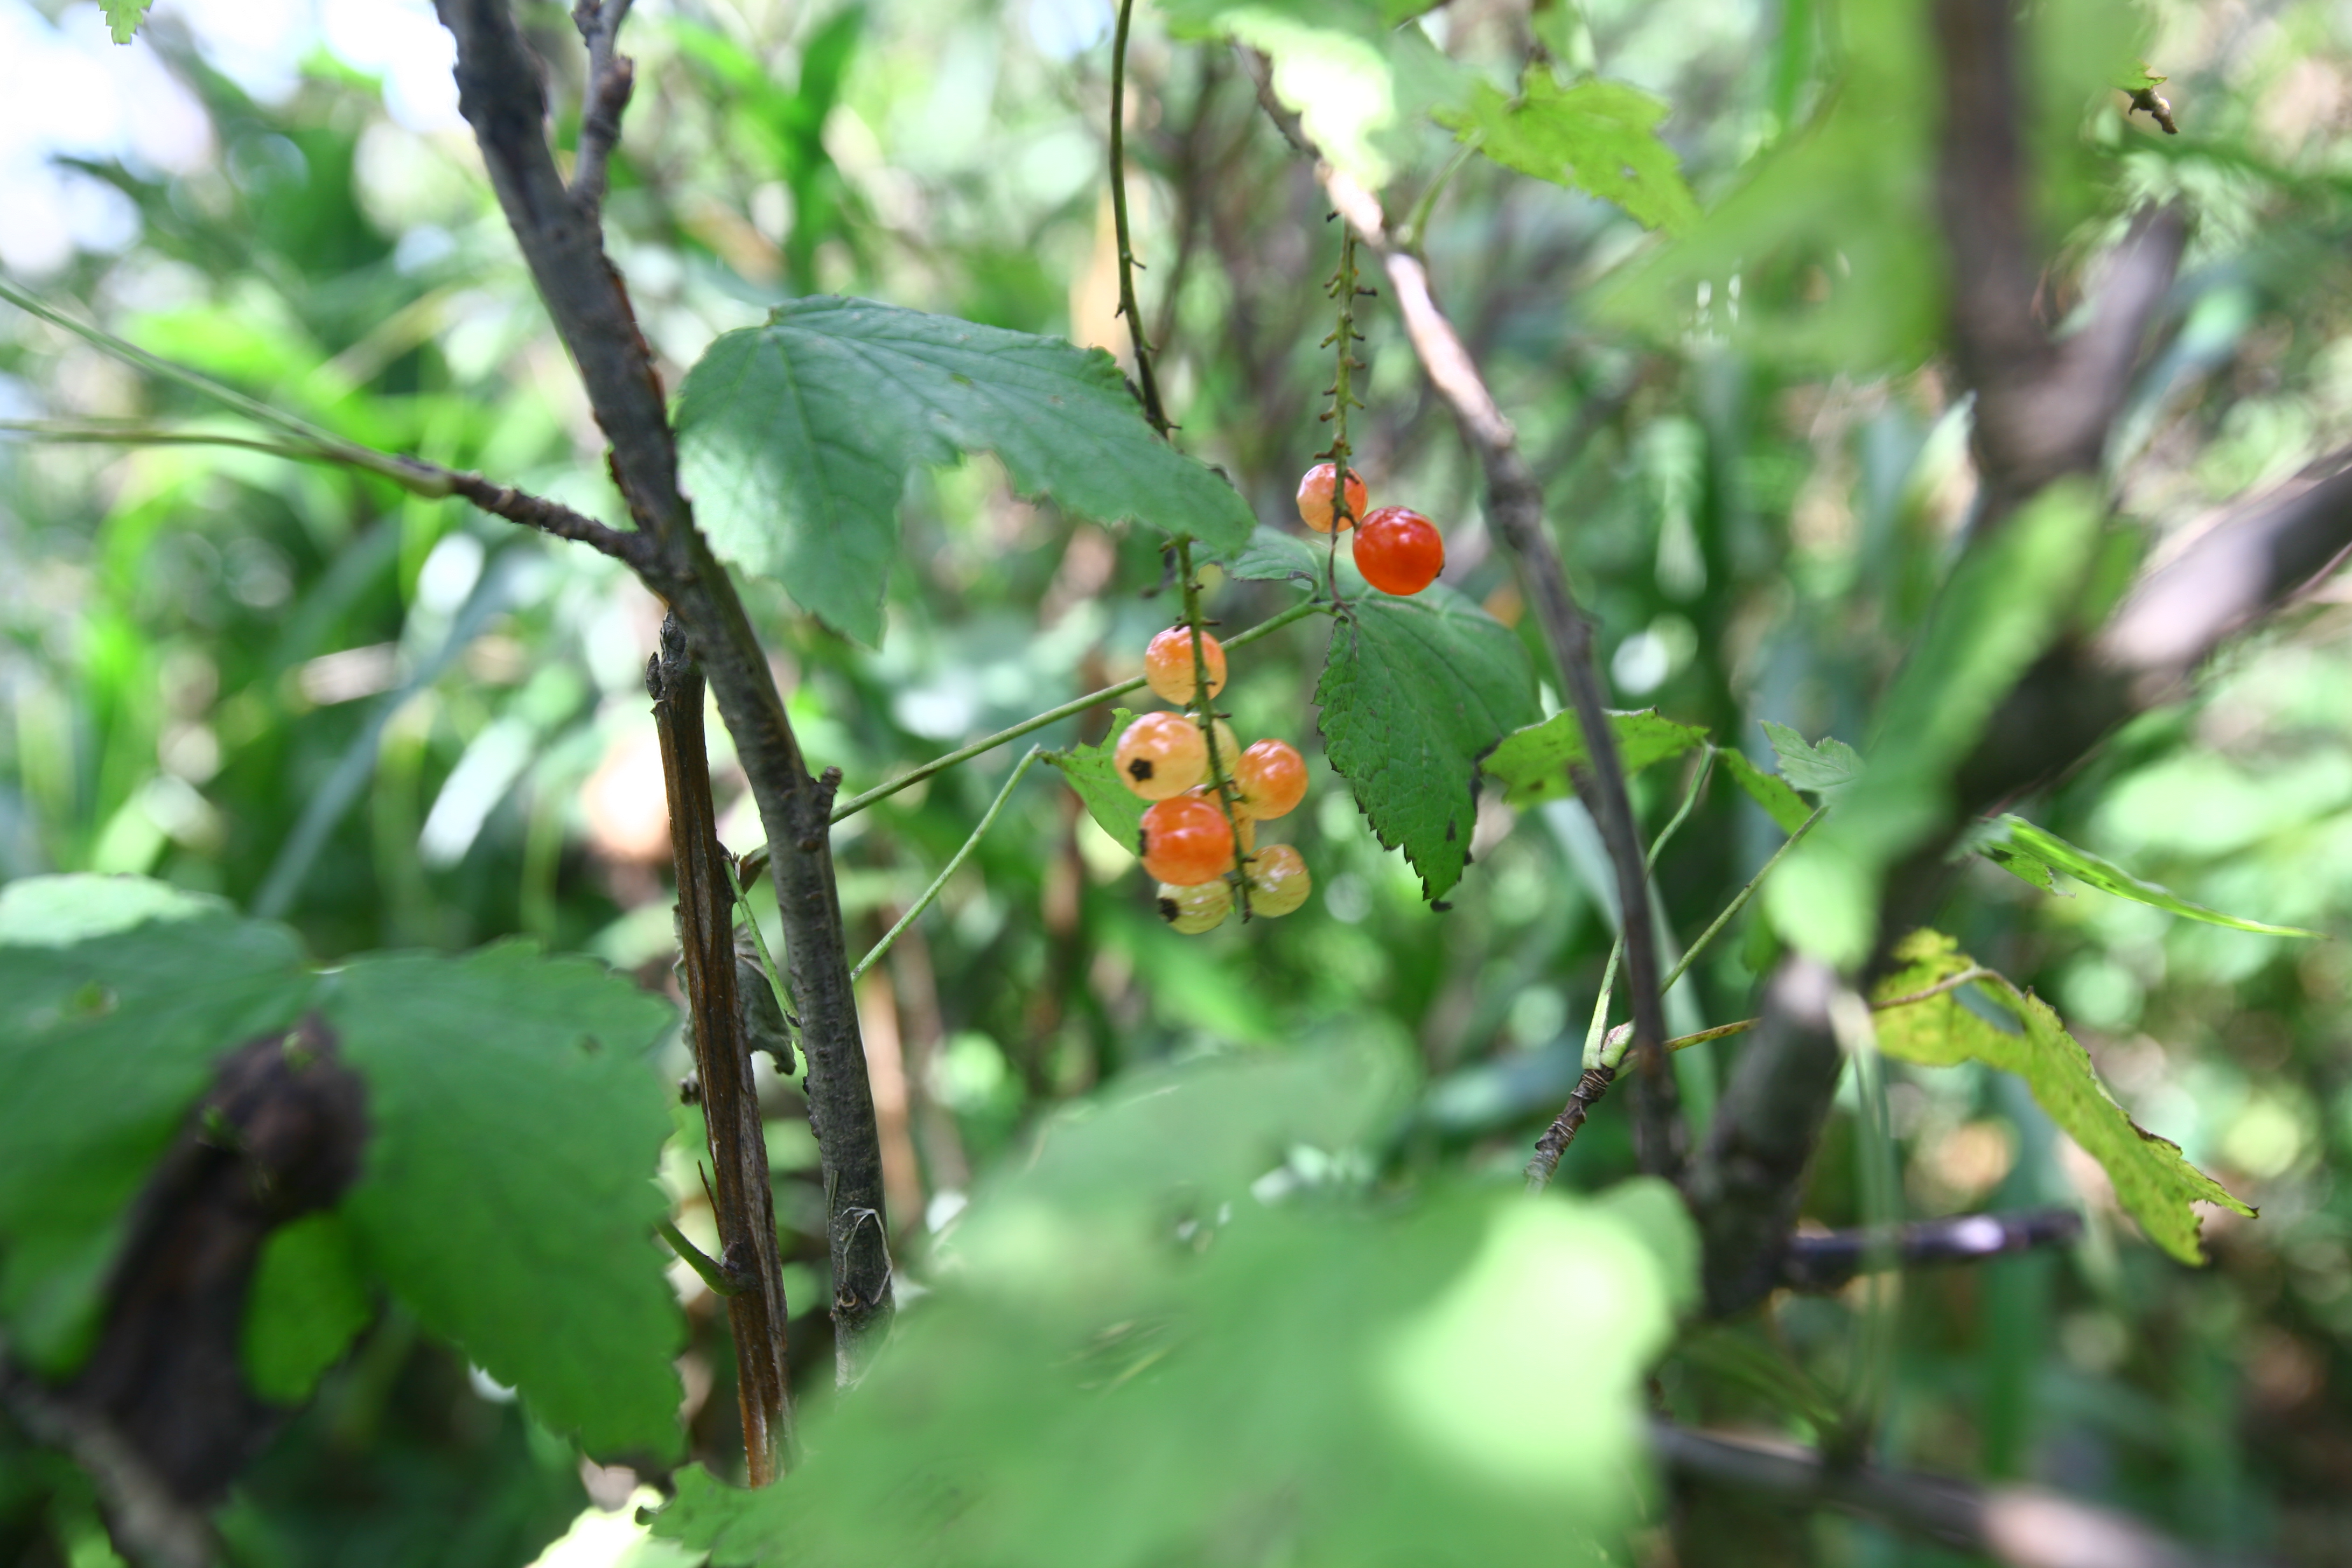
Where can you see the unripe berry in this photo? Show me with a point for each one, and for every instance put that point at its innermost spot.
(1399, 551)
(1161, 755)
(1228, 745)
(1278, 882)
(1186, 841)
(1315, 507)
(1194, 910)
(1271, 778)
(1168, 665)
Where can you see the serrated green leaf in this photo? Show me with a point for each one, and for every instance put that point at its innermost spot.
(2021, 840)
(1597, 136)
(1825, 767)
(310, 1299)
(508, 1196)
(1274, 557)
(1532, 763)
(123, 18)
(2153, 1181)
(1784, 805)
(2008, 599)
(1220, 1377)
(795, 439)
(117, 995)
(1090, 771)
(1414, 692)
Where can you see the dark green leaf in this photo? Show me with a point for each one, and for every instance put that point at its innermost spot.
(117, 995)
(796, 438)
(1770, 791)
(1414, 691)
(508, 1198)
(2154, 1185)
(1532, 763)
(1090, 772)
(1824, 767)
(310, 1299)
(1597, 136)
(2007, 599)
(1274, 557)
(2021, 840)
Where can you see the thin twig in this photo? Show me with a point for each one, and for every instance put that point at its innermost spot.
(1825, 1263)
(955, 863)
(1514, 505)
(1146, 386)
(612, 76)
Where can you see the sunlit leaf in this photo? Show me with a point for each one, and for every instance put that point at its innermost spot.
(2021, 840)
(1532, 763)
(1826, 767)
(1782, 804)
(1091, 771)
(1414, 691)
(2153, 1181)
(1596, 136)
(2005, 602)
(123, 16)
(796, 437)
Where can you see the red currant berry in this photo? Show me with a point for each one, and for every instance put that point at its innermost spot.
(1315, 506)
(1194, 910)
(1161, 755)
(1168, 665)
(1399, 551)
(1272, 777)
(1246, 829)
(1186, 841)
(1278, 882)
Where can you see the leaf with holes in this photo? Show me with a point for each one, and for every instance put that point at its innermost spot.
(795, 439)
(2016, 839)
(1092, 770)
(1531, 765)
(2152, 1181)
(1414, 691)
(1597, 136)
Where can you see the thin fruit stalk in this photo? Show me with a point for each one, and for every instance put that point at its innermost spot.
(1342, 288)
(1220, 780)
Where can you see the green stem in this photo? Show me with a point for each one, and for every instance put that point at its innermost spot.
(704, 1266)
(858, 803)
(1146, 384)
(1342, 288)
(1409, 234)
(932, 892)
(1739, 901)
(1594, 1033)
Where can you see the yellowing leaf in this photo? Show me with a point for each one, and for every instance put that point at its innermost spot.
(2153, 1181)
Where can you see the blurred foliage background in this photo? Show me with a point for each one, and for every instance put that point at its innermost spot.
(396, 722)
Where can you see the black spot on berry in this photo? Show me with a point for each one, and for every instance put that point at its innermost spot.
(1168, 912)
(1139, 769)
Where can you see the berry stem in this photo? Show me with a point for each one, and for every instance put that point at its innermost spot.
(1220, 779)
(955, 863)
(1147, 384)
(1342, 288)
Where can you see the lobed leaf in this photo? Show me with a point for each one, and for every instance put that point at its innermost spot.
(1414, 692)
(1532, 763)
(2153, 1181)
(1092, 772)
(1827, 767)
(796, 437)
(2018, 840)
(1783, 804)
(123, 18)
(1596, 136)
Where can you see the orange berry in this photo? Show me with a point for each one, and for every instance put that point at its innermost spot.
(1315, 505)
(1278, 882)
(1399, 551)
(1168, 665)
(1161, 755)
(1186, 841)
(1272, 777)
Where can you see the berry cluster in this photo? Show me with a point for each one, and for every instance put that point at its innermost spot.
(1398, 550)
(1208, 795)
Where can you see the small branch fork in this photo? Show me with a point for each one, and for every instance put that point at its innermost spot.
(1515, 506)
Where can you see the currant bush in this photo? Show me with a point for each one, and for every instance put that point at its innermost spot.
(1316, 508)
(1161, 755)
(1168, 665)
(1278, 881)
(1271, 778)
(1186, 841)
(1399, 551)
(1196, 908)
